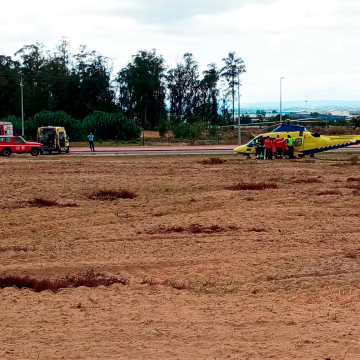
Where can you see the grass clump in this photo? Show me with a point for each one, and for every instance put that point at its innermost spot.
(353, 186)
(192, 228)
(16, 248)
(354, 160)
(215, 287)
(175, 284)
(43, 202)
(307, 181)
(212, 161)
(252, 186)
(328, 192)
(256, 229)
(88, 279)
(353, 179)
(112, 195)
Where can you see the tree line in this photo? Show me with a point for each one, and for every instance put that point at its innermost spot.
(82, 89)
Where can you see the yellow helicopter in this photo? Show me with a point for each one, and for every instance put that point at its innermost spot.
(305, 142)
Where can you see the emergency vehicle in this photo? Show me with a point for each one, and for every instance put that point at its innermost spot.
(6, 128)
(53, 138)
(16, 144)
(305, 142)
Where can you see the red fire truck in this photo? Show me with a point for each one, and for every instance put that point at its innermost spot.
(6, 128)
(16, 144)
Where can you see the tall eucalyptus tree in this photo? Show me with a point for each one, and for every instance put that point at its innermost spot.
(234, 66)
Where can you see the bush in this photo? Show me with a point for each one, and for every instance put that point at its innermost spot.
(196, 130)
(74, 128)
(163, 127)
(213, 131)
(111, 126)
(181, 131)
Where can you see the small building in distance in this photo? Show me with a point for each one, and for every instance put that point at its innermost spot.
(338, 113)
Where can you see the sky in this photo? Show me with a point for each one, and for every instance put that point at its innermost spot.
(313, 44)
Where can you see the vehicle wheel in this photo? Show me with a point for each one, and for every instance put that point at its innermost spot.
(67, 149)
(34, 152)
(6, 152)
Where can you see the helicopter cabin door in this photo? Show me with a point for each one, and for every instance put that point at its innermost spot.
(299, 142)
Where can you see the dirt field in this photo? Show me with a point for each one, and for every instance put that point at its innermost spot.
(216, 269)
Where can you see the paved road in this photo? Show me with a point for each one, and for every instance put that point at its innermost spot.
(172, 150)
(150, 152)
(156, 150)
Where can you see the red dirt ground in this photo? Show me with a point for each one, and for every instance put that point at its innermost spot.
(214, 273)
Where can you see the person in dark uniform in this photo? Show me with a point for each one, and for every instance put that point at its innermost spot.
(261, 146)
(256, 145)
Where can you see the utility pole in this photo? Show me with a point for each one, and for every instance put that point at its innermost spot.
(239, 131)
(22, 107)
(281, 100)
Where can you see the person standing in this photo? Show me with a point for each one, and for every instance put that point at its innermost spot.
(279, 146)
(268, 147)
(256, 145)
(91, 141)
(261, 146)
(290, 145)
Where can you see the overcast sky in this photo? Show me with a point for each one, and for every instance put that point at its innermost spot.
(314, 44)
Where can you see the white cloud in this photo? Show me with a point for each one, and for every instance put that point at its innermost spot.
(312, 43)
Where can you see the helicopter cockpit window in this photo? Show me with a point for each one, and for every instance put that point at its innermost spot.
(315, 134)
(250, 143)
(298, 142)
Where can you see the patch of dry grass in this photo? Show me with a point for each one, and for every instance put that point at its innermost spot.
(16, 248)
(88, 279)
(175, 284)
(192, 228)
(353, 179)
(43, 202)
(36, 203)
(112, 195)
(205, 287)
(212, 161)
(311, 180)
(252, 186)
(353, 186)
(328, 192)
(256, 229)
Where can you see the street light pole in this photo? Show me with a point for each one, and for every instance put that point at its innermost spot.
(281, 100)
(239, 131)
(22, 107)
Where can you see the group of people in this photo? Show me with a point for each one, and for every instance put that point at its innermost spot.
(267, 147)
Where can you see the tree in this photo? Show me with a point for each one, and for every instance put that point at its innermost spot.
(314, 114)
(356, 121)
(142, 88)
(233, 67)
(210, 93)
(260, 115)
(9, 87)
(184, 86)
